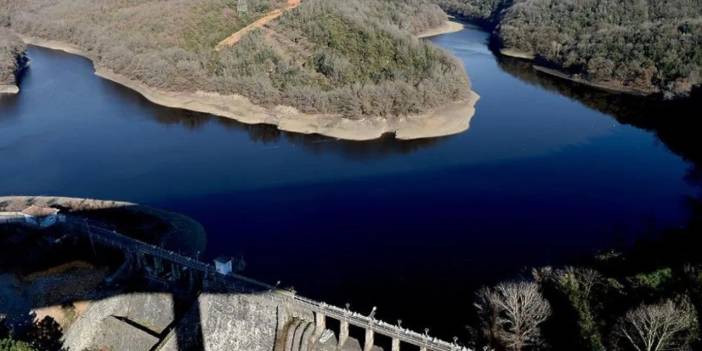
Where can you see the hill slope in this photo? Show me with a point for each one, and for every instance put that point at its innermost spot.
(641, 46)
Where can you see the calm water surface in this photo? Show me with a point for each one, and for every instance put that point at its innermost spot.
(412, 227)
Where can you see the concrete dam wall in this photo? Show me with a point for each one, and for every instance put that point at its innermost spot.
(214, 322)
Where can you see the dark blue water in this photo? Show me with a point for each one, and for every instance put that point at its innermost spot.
(540, 178)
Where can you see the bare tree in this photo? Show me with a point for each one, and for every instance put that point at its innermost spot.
(512, 313)
(664, 326)
(588, 278)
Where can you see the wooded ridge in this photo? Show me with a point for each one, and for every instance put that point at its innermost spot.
(646, 46)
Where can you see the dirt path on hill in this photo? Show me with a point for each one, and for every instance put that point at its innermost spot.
(236, 37)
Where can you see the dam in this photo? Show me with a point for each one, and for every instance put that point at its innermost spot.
(234, 312)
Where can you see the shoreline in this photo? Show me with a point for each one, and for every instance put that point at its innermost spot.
(450, 119)
(182, 228)
(556, 73)
(602, 86)
(517, 54)
(9, 89)
(450, 26)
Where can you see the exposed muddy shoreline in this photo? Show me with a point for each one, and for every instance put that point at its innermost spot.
(451, 26)
(609, 87)
(9, 89)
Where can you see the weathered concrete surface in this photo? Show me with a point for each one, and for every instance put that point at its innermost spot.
(251, 322)
(327, 342)
(95, 328)
(233, 322)
(152, 311)
(114, 334)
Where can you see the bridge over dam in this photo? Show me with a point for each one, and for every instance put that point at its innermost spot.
(237, 313)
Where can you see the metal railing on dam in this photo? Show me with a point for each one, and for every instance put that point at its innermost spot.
(96, 232)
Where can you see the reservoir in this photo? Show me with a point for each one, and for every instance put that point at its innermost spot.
(548, 173)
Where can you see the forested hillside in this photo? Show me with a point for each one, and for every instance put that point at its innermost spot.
(645, 46)
(11, 53)
(354, 57)
(485, 12)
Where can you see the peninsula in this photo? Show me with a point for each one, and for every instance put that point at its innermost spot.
(639, 47)
(347, 69)
(11, 61)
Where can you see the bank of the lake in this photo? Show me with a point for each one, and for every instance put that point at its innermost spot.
(612, 87)
(9, 89)
(450, 26)
(447, 120)
(171, 230)
(517, 54)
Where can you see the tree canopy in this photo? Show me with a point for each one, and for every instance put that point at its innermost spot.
(648, 46)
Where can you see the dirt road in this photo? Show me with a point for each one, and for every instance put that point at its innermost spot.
(236, 37)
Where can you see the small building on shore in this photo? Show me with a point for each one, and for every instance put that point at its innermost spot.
(223, 265)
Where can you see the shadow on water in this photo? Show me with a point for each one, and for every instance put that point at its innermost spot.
(10, 106)
(270, 134)
(385, 146)
(47, 272)
(317, 144)
(676, 123)
(259, 133)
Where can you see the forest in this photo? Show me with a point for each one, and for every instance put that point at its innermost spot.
(643, 46)
(11, 57)
(354, 58)
(484, 12)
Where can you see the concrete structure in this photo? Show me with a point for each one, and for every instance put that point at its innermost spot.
(126, 322)
(241, 314)
(223, 265)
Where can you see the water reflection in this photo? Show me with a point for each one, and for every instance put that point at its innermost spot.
(317, 144)
(676, 123)
(268, 134)
(9, 108)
